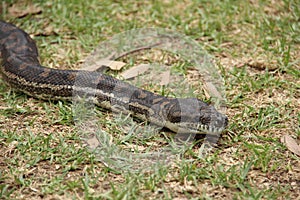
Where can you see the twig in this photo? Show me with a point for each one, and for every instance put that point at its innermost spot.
(112, 56)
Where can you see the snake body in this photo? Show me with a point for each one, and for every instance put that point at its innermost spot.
(22, 70)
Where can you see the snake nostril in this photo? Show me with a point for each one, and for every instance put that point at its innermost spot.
(225, 121)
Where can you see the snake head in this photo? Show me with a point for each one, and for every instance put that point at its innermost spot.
(191, 115)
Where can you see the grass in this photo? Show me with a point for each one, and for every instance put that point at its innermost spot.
(256, 45)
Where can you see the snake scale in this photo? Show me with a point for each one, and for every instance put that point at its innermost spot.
(22, 70)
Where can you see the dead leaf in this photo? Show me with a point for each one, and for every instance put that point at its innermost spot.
(19, 12)
(291, 144)
(49, 30)
(135, 71)
(213, 91)
(262, 63)
(92, 142)
(96, 66)
(165, 78)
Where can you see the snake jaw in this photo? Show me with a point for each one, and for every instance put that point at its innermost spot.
(192, 115)
(199, 129)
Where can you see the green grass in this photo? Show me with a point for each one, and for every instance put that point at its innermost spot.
(256, 46)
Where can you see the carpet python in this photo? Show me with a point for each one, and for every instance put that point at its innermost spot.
(22, 70)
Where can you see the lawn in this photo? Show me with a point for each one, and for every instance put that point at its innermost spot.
(256, 49)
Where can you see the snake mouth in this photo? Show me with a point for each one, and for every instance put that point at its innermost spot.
(200, 129)
(192, 128)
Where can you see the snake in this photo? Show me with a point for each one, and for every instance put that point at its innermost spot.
(21, 70)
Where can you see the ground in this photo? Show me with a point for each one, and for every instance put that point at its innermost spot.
(256, 48)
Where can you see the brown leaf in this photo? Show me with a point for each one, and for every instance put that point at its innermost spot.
(92, 142)
(291, 144)
(262, 64)
(113, 65)
(49, 30)
(135, 71)
(19, 12)
(165, 78)
(209, 86)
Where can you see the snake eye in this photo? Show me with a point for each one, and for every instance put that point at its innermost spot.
(205, 119)
(175, 117)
